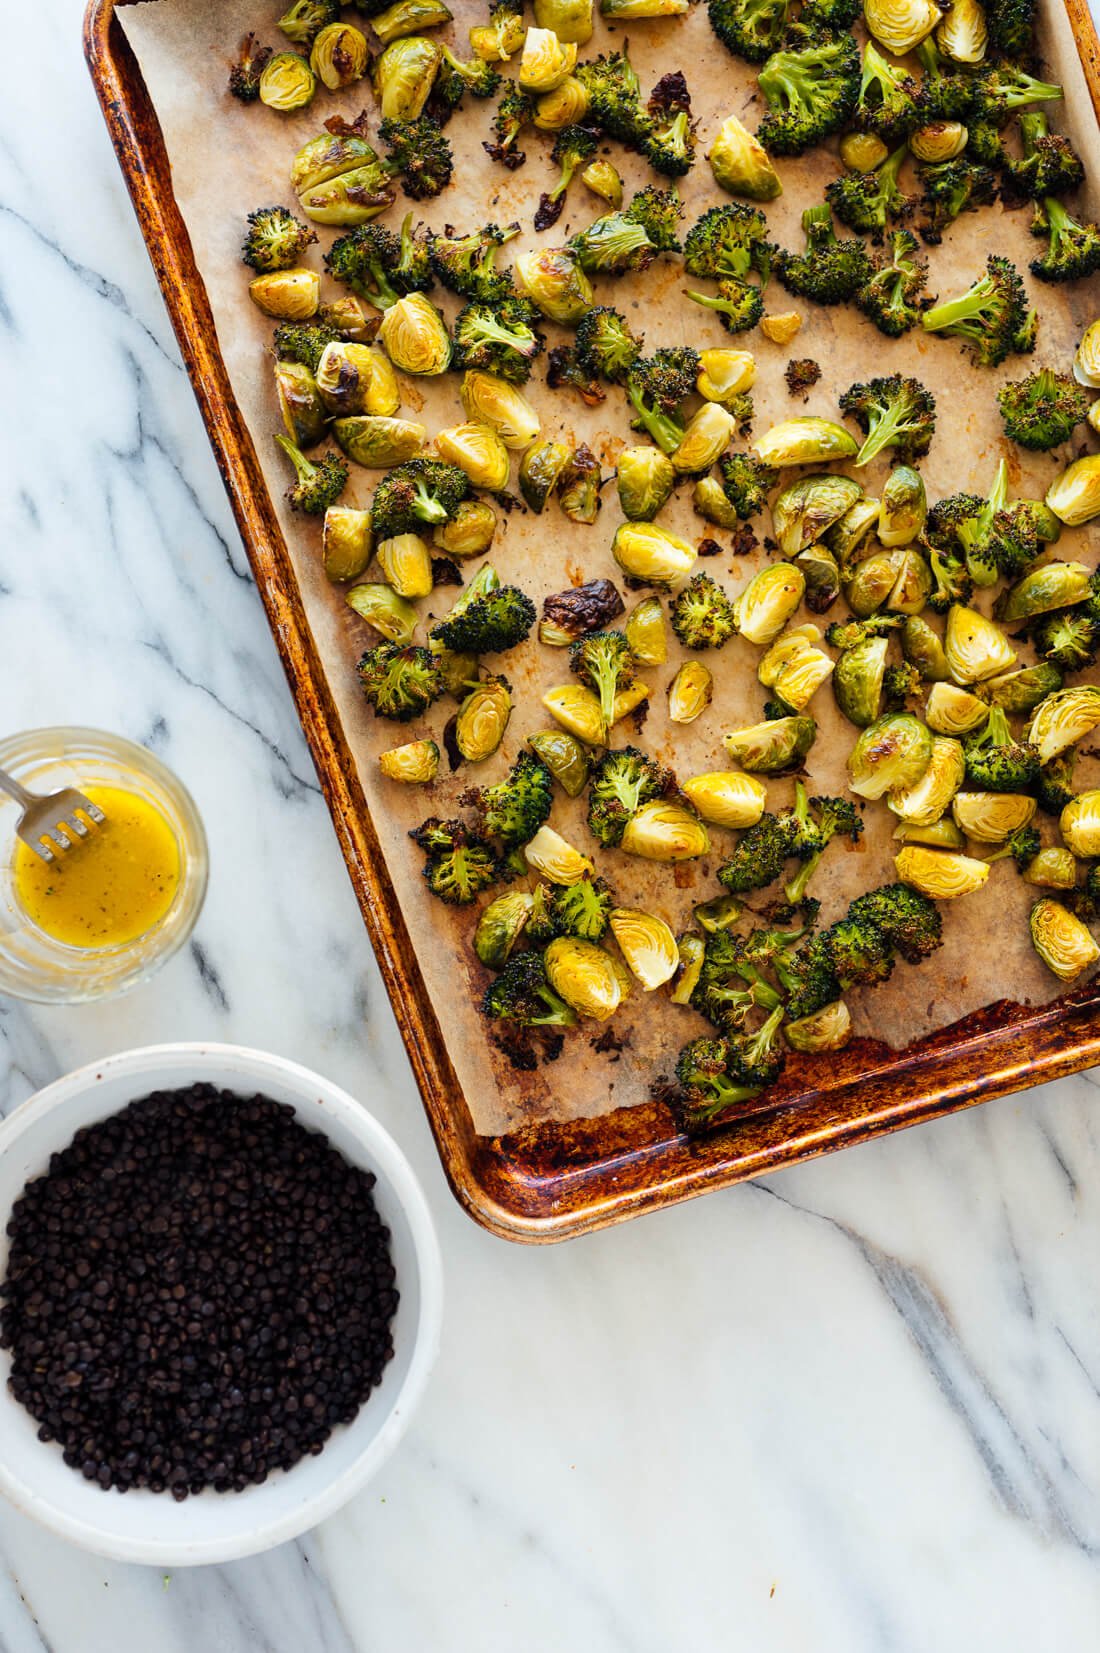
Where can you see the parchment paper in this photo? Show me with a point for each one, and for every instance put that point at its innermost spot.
(228, 158)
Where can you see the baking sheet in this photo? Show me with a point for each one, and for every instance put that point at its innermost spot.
(228, 158)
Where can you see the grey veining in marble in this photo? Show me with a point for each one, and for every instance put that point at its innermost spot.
(855, 1409)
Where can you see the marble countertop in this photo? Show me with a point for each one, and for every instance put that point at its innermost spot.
(853, 1408)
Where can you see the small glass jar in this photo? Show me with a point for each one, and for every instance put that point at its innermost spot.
(33, 965)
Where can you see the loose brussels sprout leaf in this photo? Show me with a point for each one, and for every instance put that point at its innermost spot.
(565, 758)
(857, 680)
(407, 564)
(725, 374)
(414, 336)
(546, 61)
(1053, 585)
(1074, 496)
(690, 692)
(938, 141)
(646, 632)
(555, 284)
(500, 927)
(287, 82)
(741, 164)
(540, 471)
(1020, 692)
(805, 510)
(300, 404)
(926, 800)
(727, 798)
(477, 450)
(583, 974)
(378, 443)
(663, 831)
(346, 542)
(652, 554)
(974, 646)
(645, 480)
(647, 944)
(691, 951)
(769, 748)
(1064, 944)
(923, 649)
(496, 403)
(382, 608)
(469, 532)
(708, 434)
(889, 756)
(404, 75)
(1052, 869)
(288, 295)
(414, 764)
(1080, 824)
(1063, 719)
(482, 719)
(953, 711)
(827, 1029)
(903, 507)
(938, 874)
(991, 817)
(804, 442)
(900, 25)
(768, 602)
(577, 709)
(339, 56)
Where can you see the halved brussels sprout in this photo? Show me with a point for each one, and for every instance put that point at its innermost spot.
(769, 748)
(923, 649)
(953, 711)
(1064, 944)
(991, 817)
(862, 151)
(645, 479)
(1063, 719)
(288, 295)
(500, 40)
(690, 692)
(602, 179)
(869, 583)
(900, 25)
(890, 755)
(974, 646)
(938, 141)
(351, 198)
(554, 858)
(725, 374)
(577, 709)
(566, 105)
(927, 799)
(727, 798)
(829, 1028)
(414, 335)
(1079, 824)
(786, 647)
(583, 974)
(1052, 869)
(300, 404)
(801, 675)
(346, 542)
(857, 680)
(630, 11)
(287, 82)
(382, 608)
(941, 834)
(565, 758)
(1092, 418)
(805, 510)
(768, 601)
(500, 927)
(415, 763)
(477, 450)
(853, 533)
(1086, 361)
(404, 75)
(913, 585)
(903, 507)
(647, 944)
(409, 17)
(381, 395)
(963, 35)
(329, 154)
(378, 443)
(627, 700)
(1074, 496)
(546, 60)
(691, 951)
(821, 572)
(579, 488)
(406, 563)
(339, 56)
(457, 671)
(358, 323)
(652, 554)
(1023, 690)
(939, 874)
(741, 164)
(540, 472)
(482, 719)
(571, 20)
(709, 501)
(708, 435)
(721, 913)
(1053, 585)
(555, 283)
(803, 442)
(664, 831)
(496, 403)
(646, 632)
(343, 375)
(782, 328)
(469, 532)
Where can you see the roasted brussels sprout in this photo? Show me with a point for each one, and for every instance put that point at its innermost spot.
(579, 486)
(469, 532)
(727, 798)
(415, 338)
(565, 758)
(346, 375)
(577, 709)
(403, 76)
(820, 570)
(496, 403)
(829, 1028)
(691, 952)
(857, 680)
(769, 748)
(664, 831)
(708, 434)
(346, 542)
(1063, 719)
(555, 284)
(853, 534)
(768, 602)
(645, 479)
(288, 295)
(414, 764)
(554, 858)
(378, 443)
(646, 632)
(580, 610)
(652, 554)
(953, 711)
(287, 83)
(382, 608)
(566, 105)
(546, 61)
(868, 585)
(794, 668)
(890, 755)
(939, 874)
(300, 404)
(1086, 361)
(540, 472)
(603, 180)
(1052, 585)
(719, 914)
(923, 649)
(407, 564)
(359, 324)
(900, 25)
(903, 507)
(477, 450)
(709, 501)
(1074, 496)
(862, 151)
(583, 974)
(647, 944)
(926, 799)
(805, 510)
(1021, 691)
(975, 647)
(804, 442)
(341, 148)
(725, 375)
(991, 817)
(937, 141)
(941, 834)
(305, 18)
(500, 39)
(741, 164)
(1052, 869)
(339, 56)
(1080, 824)
(690, 692)
(500, 927)
(1062, 941)
(408, 17)
(482, 719)
(962, 36)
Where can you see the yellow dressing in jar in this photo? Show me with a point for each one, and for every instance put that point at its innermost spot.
(113, 885)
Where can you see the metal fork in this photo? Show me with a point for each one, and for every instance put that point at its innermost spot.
(52, 820)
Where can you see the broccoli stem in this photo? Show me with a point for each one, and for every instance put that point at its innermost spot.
(666, 431)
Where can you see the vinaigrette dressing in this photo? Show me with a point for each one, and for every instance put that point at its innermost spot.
(113, 886)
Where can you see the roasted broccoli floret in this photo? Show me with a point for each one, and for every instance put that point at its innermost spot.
(1049, 164)
(514, 111)
(1022, 846)
(729, 985)
(887, 104)
(490, 624)
(669, 145)
(868, 201)
(1003, 88)
(811, 89)
(612, 245)
(894, 295)
(992, 317)
(603, 660)
(816, 822)
(275, 239)
(944, 94)
(701, 614)
(502, 338)
(709, 1091)
(859, 951)
(807, 977)
(996, 761)
(566, 371)
(656, 386)
(467, 263)
(320, 481)
(420, 490)
(751, 29)
(1019, 533)
(759, 855)
(893, 412)
(746, 483)
(1068, 637)
(984, 144)
(727, 242)
(1054, 788)
(801, 374)
(521, 993)
(605, 346)
(455, 78)
(659, 212)
(757, 1058)
(1073, 249)
(1043, 410)
(901, 684)
(421, 153)
(514, 808)
(244, 75)
(911, 923)
(738, 304)
(830, 271)
(303, 341)
(306, 18)
(400, 682)
(962, 525)
(615, 98)
(621, 783)
(845, 634)
(951, 188)
(574, 146)
(380, 266)
(459, 864)
(582, 909)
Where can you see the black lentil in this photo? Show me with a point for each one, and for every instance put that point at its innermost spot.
(198, 1291)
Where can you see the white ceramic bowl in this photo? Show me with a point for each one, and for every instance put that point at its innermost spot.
(152, 1527)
